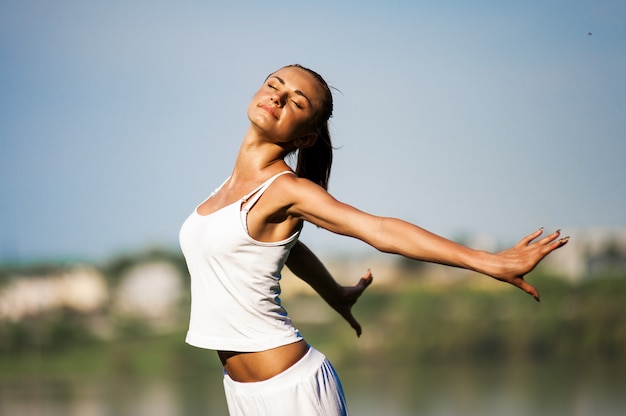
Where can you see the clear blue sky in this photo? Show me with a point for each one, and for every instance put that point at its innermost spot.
(117, 118)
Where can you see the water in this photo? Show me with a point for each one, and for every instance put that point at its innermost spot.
(512, 390)
(548, 389)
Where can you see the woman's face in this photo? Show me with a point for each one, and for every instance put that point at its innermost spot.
(285, 106)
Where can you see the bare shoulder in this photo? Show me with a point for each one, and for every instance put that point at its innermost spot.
(286, 190)
(296, 190)
(310, 202)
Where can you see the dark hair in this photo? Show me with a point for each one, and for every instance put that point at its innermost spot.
(314, 162)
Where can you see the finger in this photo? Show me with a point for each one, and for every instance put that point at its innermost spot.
(353, 323)
(530, 237)
(551, 237)
(368, 276)
(553, 245)
(528, 288)
(562, 241)
(366, 280)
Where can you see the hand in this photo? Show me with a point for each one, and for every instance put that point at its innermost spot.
(348, 297)
(514, 263)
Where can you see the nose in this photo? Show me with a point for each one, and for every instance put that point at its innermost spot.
(278, 99)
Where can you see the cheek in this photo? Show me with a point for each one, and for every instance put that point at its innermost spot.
(305, 126)
(252, 105)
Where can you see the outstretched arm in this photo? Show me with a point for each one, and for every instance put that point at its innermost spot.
(305, 264)
(391, 235)
(510, 265)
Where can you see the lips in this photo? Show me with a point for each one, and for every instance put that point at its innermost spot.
(269, 110)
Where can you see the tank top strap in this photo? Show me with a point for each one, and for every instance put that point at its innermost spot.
(219, 187)
(249, 200)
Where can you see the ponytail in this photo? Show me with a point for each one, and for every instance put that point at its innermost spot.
(314, 162)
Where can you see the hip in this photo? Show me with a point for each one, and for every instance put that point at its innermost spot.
(247, 367)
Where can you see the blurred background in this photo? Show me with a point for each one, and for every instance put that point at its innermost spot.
(480, 122)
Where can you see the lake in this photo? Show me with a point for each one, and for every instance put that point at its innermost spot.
(514, 389)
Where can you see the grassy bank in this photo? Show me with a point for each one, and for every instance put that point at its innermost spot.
(420, 323)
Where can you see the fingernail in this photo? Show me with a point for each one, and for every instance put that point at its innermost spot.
(558, 231)
(564, 239)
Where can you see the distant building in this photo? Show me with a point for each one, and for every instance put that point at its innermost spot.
(80, 288)
(150, 292)
(591, 253)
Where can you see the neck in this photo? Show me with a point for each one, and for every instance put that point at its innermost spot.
(258, 157)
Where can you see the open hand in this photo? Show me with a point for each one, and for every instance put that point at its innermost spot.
(513, 264)
(348, 297)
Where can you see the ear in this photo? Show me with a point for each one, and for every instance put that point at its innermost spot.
(305, 141)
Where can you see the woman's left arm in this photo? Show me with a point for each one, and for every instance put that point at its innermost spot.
(392, 235)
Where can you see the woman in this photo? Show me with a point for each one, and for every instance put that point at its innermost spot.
(237, 241)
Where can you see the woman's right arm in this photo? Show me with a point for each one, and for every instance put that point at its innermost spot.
(307, 266)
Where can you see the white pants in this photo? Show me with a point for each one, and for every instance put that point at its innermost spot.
(310, 387)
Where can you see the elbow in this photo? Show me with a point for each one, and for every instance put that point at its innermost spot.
(382, 237)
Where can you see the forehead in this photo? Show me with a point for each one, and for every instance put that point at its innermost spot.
(299, 79)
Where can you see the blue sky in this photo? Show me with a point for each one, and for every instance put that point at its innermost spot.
(117, 118)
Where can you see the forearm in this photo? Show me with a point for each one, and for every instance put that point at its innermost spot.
(306, 266)
(400, 237)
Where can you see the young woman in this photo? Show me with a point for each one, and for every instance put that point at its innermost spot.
(238, 240)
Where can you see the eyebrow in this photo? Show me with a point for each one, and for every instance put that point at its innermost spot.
(298, 92)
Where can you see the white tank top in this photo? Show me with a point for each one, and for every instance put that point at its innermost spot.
(235, 289)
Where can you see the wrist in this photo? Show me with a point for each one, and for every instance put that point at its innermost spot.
(483, 262)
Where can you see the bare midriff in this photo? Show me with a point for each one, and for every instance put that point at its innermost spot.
(249, 367)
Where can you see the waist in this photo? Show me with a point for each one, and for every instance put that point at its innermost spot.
(248, 367)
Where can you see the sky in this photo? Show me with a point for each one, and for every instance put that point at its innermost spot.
(485, 118)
